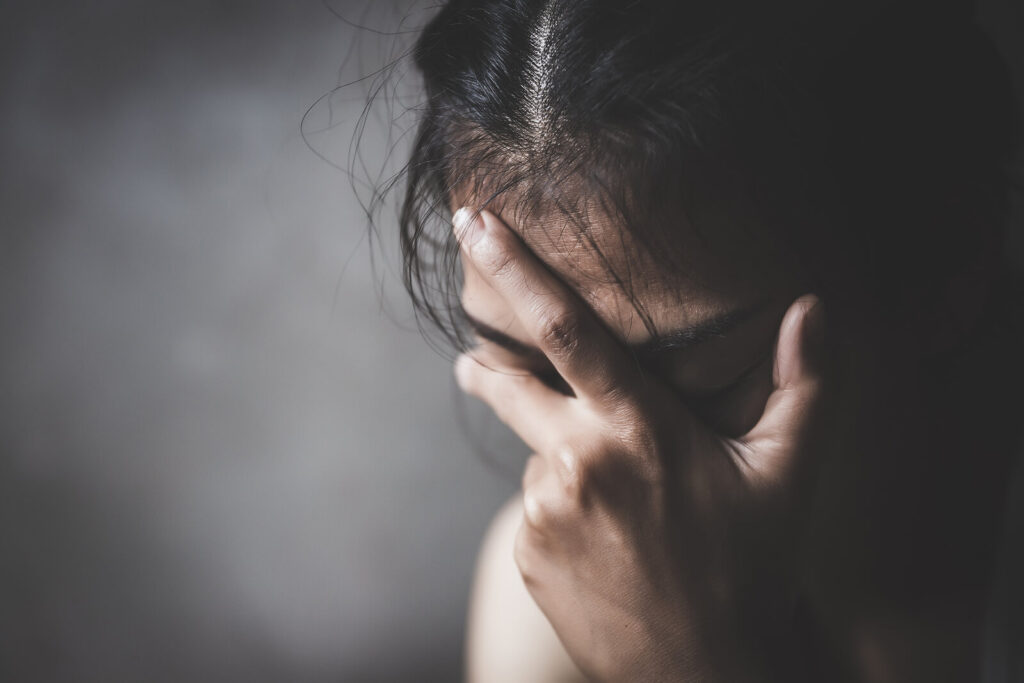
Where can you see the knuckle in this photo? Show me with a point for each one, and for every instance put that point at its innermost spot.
(551, 508)
(494, 256)
(536, 512)
(577, 477)
(559, 331)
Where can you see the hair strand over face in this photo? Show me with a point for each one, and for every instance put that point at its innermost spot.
(881, 148)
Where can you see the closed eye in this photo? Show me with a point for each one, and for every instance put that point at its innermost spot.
(734, 409)
(715, 393)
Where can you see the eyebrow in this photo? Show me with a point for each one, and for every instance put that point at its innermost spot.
(676, 340)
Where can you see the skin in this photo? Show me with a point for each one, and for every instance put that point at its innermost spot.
(738, 503)
(657, 528)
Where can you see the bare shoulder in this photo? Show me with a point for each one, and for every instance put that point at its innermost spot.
(508, 637)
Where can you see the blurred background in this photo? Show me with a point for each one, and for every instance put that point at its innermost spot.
(226, 453)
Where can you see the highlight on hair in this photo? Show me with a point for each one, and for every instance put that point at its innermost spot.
(873, 140)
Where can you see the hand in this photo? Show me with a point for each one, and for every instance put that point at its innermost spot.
(658, 550)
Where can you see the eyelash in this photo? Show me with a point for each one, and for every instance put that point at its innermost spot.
(549, 376)
(718, 395)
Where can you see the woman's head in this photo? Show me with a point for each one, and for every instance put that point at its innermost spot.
(677, 161)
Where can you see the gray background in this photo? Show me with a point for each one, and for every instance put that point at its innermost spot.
(226, 452)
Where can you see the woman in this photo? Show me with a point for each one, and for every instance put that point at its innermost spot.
(735, 274)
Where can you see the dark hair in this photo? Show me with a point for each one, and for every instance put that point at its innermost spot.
(870, 146)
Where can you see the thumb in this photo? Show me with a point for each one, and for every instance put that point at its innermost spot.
(776, 441)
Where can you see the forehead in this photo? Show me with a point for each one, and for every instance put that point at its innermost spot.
(630, 287)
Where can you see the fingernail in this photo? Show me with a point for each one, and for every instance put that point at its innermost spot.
(468, 226)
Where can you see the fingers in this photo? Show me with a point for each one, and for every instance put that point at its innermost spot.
(520, 400)
(552, 489)
(581, 349)
(780, 434)
(552, 477)
(798, 352)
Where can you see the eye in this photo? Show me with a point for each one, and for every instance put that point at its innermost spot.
(734, 409)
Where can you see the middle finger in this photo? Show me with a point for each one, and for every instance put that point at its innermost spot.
(586, 355)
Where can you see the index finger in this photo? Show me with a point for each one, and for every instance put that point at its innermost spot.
(591, 361)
